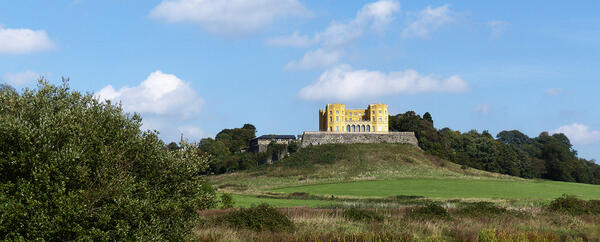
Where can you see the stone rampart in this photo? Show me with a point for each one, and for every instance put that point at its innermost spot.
(319, 138)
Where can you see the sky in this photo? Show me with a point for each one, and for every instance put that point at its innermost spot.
(199, 66)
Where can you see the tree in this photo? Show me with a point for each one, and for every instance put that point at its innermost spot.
(513, 137)
(173, 146)
(75, 168)
(427, 117)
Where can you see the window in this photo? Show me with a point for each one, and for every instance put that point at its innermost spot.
(386, 118)
(330, 128)
(337, 128)
(337, 112)
(379, 118)
(373, 112)
(330, 113)
(330, 119)
(337, 118)
(379, 111)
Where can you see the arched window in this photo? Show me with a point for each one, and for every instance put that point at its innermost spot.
(353, 128)
(368, 128)
(363, 128)
(348, 128)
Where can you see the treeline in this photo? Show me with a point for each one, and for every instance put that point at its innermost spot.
(511, 152)
(228, 150)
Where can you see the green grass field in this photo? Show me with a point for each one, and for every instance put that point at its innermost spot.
(451, 188)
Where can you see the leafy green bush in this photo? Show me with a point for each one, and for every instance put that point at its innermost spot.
(481, 209)
(259, 218)
(574, 206)
(75, 168)
(226, 201)
(357, 214)
(428, 212)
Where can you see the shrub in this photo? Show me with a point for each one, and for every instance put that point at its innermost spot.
(574, 206)
(357, 214)
(227, 201)
(75, 168)
(481, 209)
(428, 212)
(258, 218)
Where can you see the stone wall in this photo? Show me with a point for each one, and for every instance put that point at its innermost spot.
(318, 138)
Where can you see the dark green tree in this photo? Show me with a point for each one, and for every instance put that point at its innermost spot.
(75, 168)
(173, 146)
(427, 117)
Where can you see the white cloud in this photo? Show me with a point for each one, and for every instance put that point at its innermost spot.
(428, 20)
(315, 59)
(497, 28)
(159, 94)
(483, 108)
(343, 83)
(228, 17)
(21, 79)
(373, 16)
(294, 40)
(554, 91)
(23, 41)
(579, 133)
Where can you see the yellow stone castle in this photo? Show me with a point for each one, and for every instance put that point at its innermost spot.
(336, 118)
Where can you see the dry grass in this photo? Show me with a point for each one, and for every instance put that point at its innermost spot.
(330, 225)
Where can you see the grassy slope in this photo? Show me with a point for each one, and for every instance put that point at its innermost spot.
(381, 170)
(452, 188)
(338, 163)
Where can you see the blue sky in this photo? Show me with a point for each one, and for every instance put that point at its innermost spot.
(198, 66)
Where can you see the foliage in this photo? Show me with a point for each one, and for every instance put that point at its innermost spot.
(257, 218)
(481, 209)
(230, 152)
(574, 206)
(75, 168)
(227, 201)
(237, 138)
(173, 146)
(430, 211)
(357, 214)
(513, 153)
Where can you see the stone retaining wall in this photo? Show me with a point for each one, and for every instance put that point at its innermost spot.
(318, 138)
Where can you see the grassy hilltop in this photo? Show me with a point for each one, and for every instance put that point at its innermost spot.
(385, 170)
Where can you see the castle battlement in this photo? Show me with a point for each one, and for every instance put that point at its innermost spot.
(319, 138)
